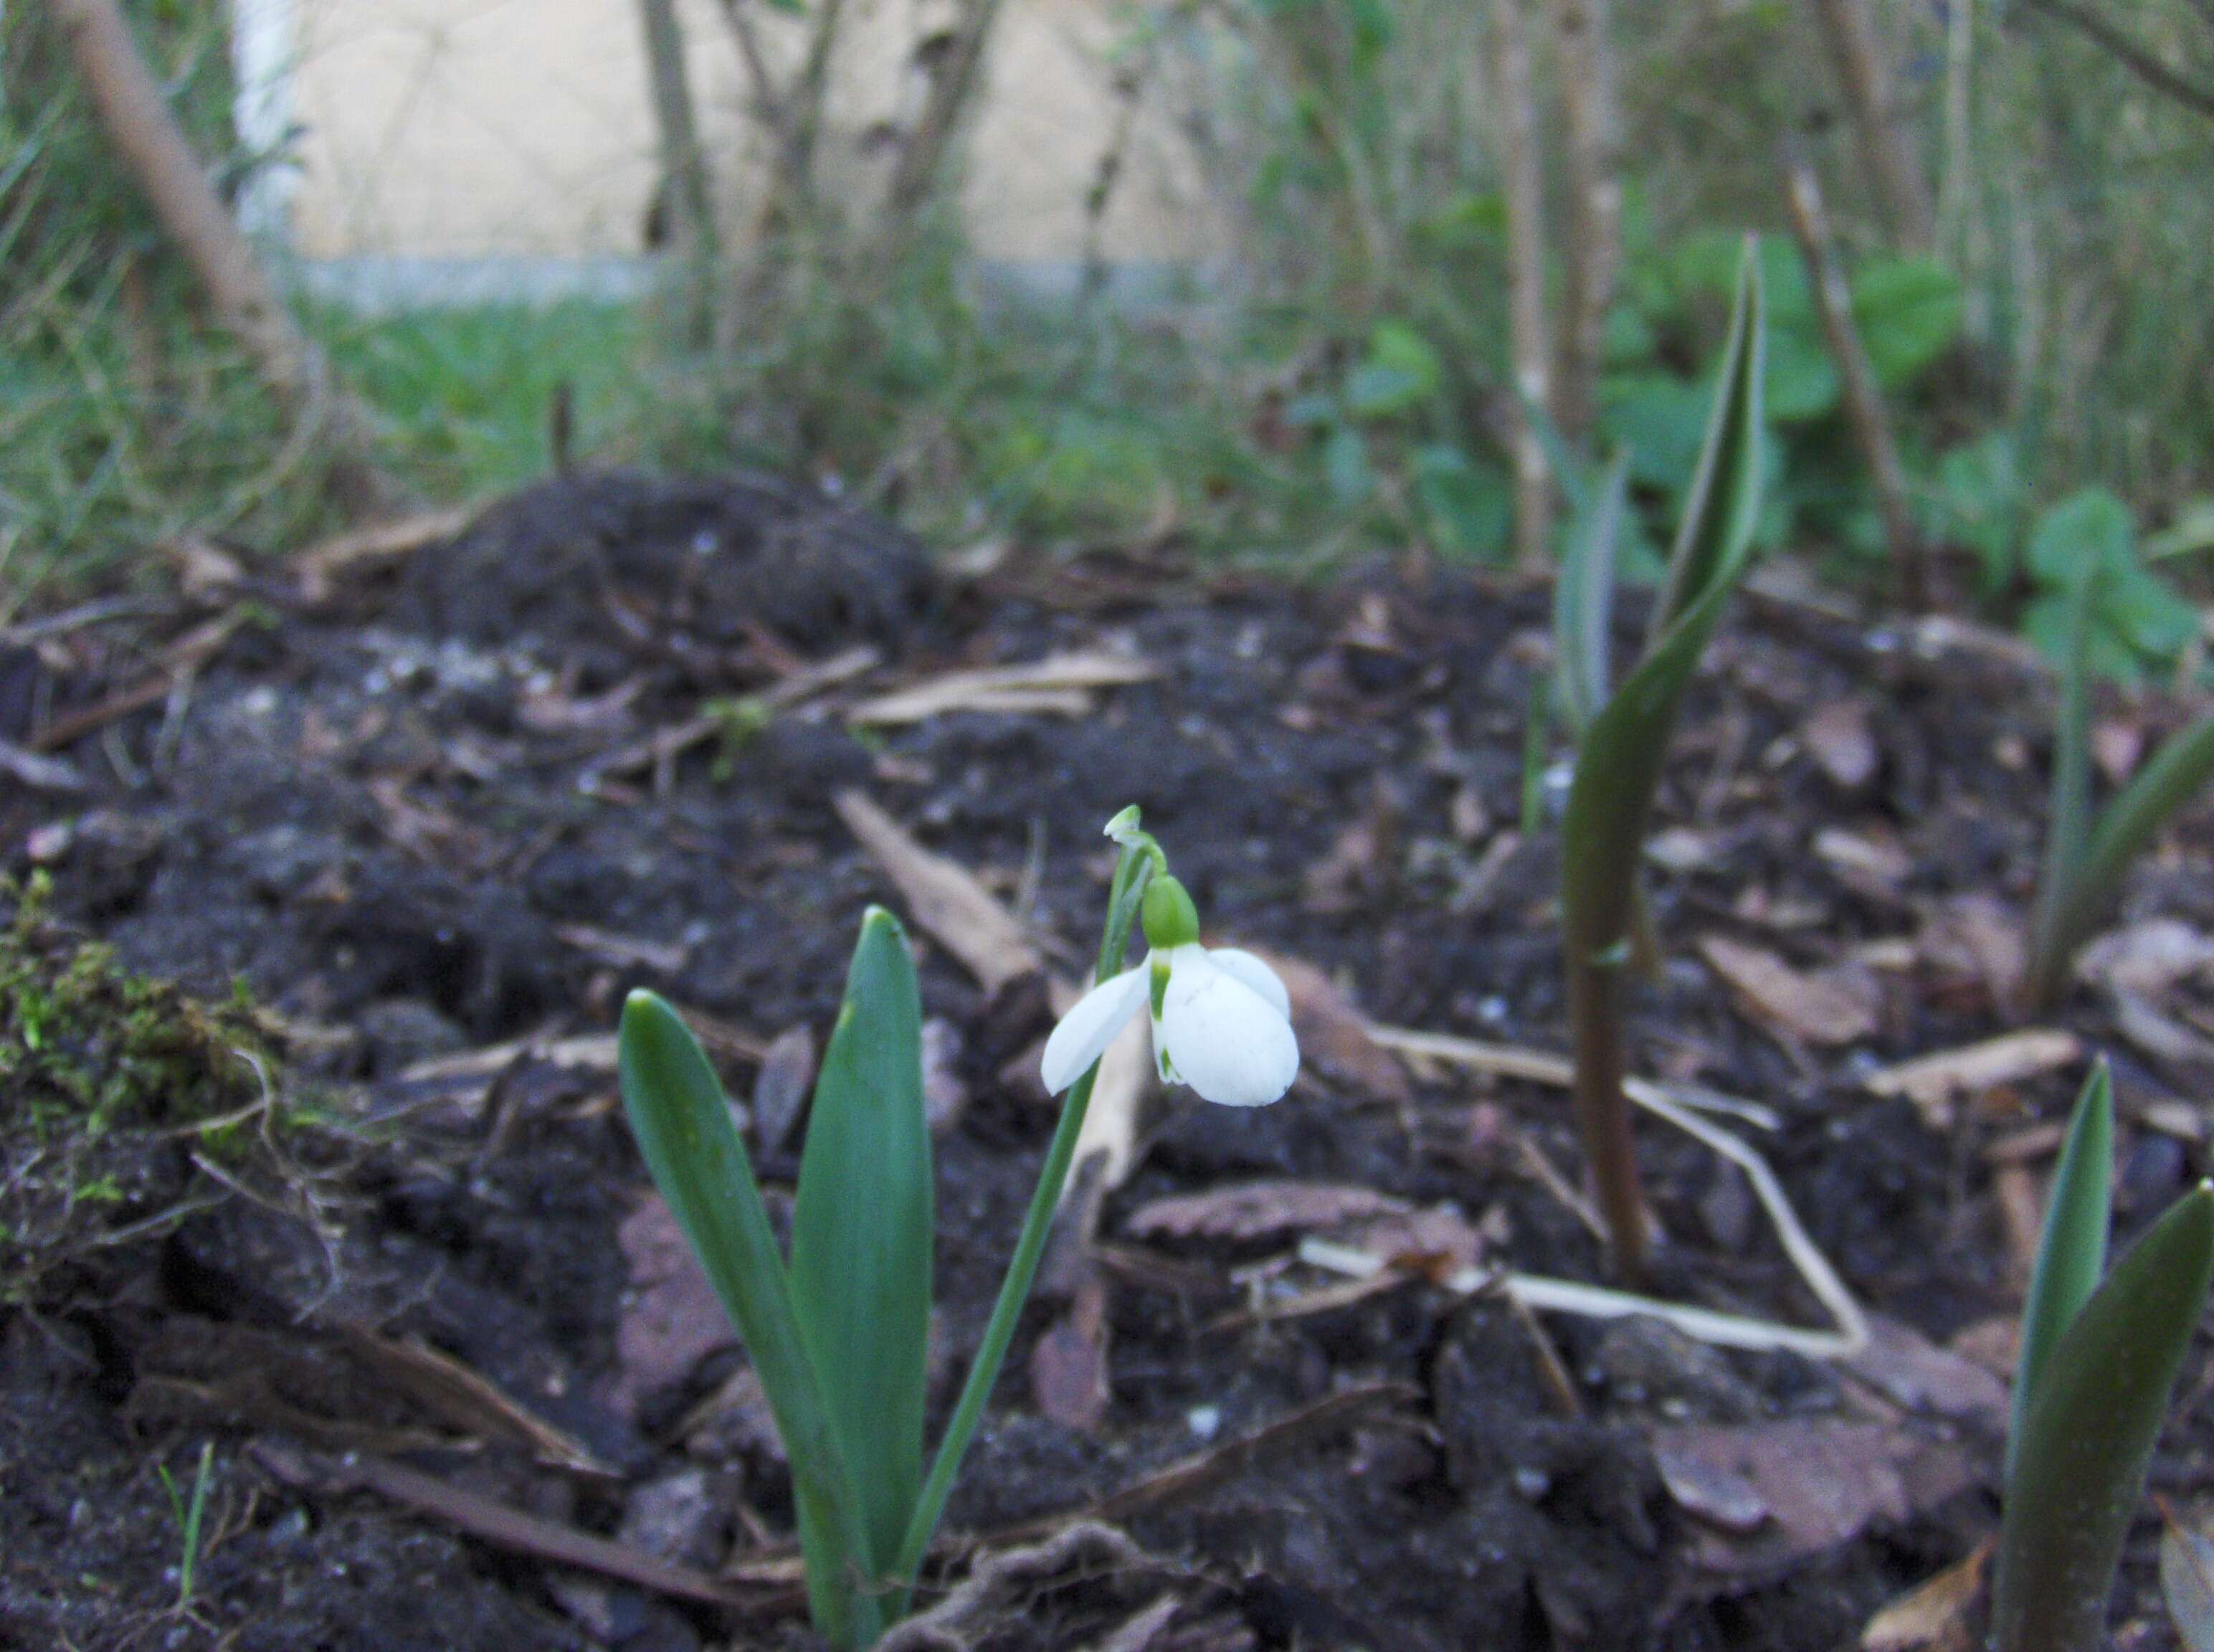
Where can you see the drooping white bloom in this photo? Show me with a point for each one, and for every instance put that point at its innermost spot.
(1221, 1024)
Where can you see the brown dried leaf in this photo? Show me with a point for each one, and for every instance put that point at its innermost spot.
(1830, 1008)
(1334, 1036)
(1068, 1366)
(1256, 1210)
(1864, 861)
(780, 1088)
(1909, 1370)
(671, 1318)
(1938, 1616)
(1976, 940)
(2148, 957)
(1843, 745)
(942, 896)
(1817, 1483)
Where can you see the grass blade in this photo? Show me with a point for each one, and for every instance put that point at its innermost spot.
(2071, 1253)
(2089, 1433)
(682, 1122)
(1619, 758)
(861, 1233)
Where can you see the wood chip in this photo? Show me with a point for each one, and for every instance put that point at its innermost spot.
(1058, 685)
(1256, 1210)
(1843, 745)
(1815, 1009)
(1864, 861)
(943, 897)
(1933, 1083)
(1938, 1616)
(318, 567)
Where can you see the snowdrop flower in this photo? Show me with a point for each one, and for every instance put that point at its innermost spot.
(1221, 1018)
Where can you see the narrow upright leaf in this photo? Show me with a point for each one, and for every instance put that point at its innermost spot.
(2071, 1253)
(682, 1122)
(2089, 1433)
(1619, 760)
(861, 1233)
(1583, 599)
(2068, 808)
(1620, 754)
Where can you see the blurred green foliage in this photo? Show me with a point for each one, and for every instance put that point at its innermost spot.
(1338, 388)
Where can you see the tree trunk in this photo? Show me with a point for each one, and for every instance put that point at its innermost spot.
(1584, 43)
(1530, 339)
(1901, 191)
(1864, 396)
(160, 158)
(683, 166)
(922, 157)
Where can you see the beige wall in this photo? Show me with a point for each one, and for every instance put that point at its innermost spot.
(463, 128)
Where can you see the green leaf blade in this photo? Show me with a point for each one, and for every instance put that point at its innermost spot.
(682, 1121)
(1583, 598)
(1619, 759)
(2072, 1252)
(862, 1233)
(2089, 1435)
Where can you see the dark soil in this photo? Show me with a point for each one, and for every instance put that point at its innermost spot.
(410, 820)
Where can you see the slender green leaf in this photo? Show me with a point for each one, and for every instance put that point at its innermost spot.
(1619, 759)
(1722, 509)
(1583, 599)
(1620, 754)
(2071, 1253)
(861, 1233)
(2089, 1432)
(682, 1122)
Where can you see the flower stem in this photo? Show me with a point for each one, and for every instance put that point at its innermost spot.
(1142, 859)
(1595, 1023)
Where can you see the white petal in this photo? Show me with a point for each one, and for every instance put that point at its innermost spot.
(1244, 966)
(1223, 1039)
(1088, 1028)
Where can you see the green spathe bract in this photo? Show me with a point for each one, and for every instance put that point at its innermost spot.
(1621, 750)
(2085, 861)
(2093, 1413)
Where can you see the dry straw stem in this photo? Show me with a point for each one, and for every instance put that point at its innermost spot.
(1850, 1332)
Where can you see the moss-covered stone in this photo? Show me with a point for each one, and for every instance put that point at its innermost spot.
(116, 1092)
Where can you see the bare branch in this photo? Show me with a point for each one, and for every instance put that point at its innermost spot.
(2133, 56)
